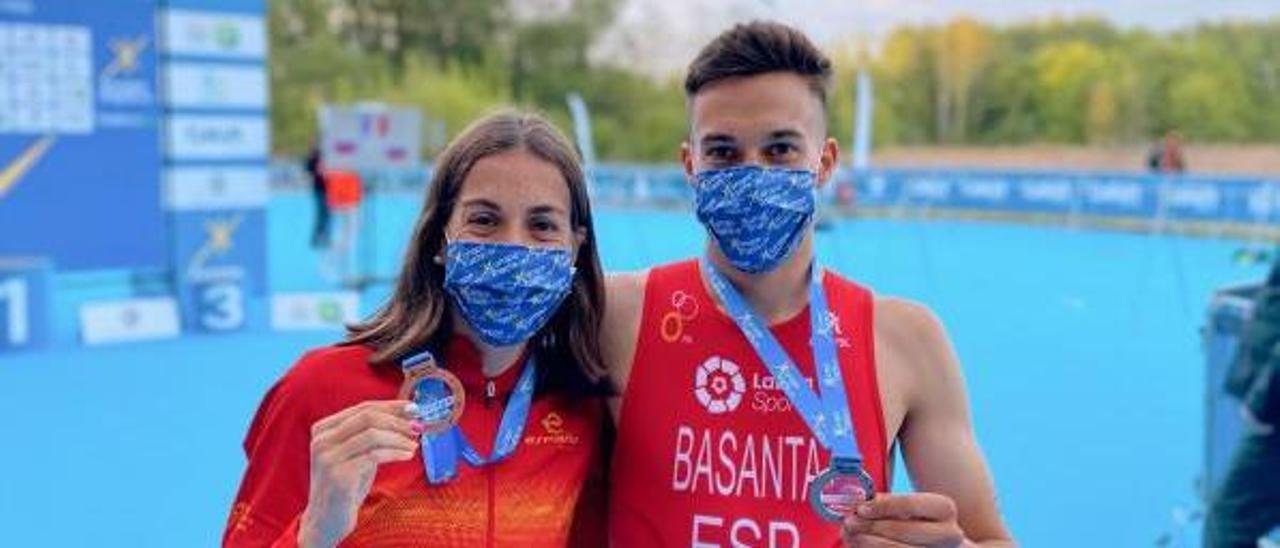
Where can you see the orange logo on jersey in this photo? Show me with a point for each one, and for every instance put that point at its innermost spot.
(553, 432)
(684, 308)
(553, 424)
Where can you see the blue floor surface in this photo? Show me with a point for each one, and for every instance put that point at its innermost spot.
(1081, 350)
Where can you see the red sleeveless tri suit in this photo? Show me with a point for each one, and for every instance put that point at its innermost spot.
(709, 451)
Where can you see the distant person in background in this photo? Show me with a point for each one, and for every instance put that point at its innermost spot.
(1167, 156)
(1247, 505)
(315, 169)
(343, 191)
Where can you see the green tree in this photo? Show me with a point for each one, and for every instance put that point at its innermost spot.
(960, 52)
(1059, 80)
(1065, 76)
(446, 31)
(1210, 105)
(906, 81)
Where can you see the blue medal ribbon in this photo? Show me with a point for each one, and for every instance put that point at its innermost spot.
(441, 450)
(510, 429)
(827, 412)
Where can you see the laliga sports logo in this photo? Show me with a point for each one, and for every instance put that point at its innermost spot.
(718, 385)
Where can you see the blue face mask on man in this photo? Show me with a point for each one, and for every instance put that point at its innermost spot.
(506, 292)
(756, 215)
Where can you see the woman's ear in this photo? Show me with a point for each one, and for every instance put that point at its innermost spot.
(442, 249)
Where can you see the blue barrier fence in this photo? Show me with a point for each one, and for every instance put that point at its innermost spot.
(1237, 200)
(1140, 197)
(1135, 196)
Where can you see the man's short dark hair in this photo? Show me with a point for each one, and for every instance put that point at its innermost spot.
(759, 47)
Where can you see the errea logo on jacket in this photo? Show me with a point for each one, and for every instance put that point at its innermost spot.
(551, 431)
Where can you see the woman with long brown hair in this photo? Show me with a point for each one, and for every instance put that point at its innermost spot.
(464, 412)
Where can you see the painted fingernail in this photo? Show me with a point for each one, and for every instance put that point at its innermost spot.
(411, 409)
(418, 427)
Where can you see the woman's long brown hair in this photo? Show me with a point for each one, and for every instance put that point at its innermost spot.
(416, 317)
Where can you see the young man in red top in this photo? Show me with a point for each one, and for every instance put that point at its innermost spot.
(762, 395)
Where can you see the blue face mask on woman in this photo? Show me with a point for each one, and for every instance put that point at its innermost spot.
(506, 292)
(756, 215)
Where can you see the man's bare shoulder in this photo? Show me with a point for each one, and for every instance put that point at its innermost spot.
(908, 321)
(626, 289)
(624, 304)
(914, 338)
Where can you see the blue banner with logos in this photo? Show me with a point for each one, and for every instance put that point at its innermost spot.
(1240, 200)
(1131, 196)
(221, 272)
(216, 147)
(79, 133)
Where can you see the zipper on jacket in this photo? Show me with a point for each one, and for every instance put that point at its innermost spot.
(489, 537)
(490, 476)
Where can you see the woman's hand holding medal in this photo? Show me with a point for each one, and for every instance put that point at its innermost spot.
(346, 449)
(916, 519)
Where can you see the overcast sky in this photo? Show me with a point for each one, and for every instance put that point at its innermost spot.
(662, 35)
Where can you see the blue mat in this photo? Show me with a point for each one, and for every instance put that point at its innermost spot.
(1081, 350)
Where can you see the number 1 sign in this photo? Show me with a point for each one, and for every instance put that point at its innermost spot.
(24, 302)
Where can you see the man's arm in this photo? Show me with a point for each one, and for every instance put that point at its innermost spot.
(624, 305)
(954, 486)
